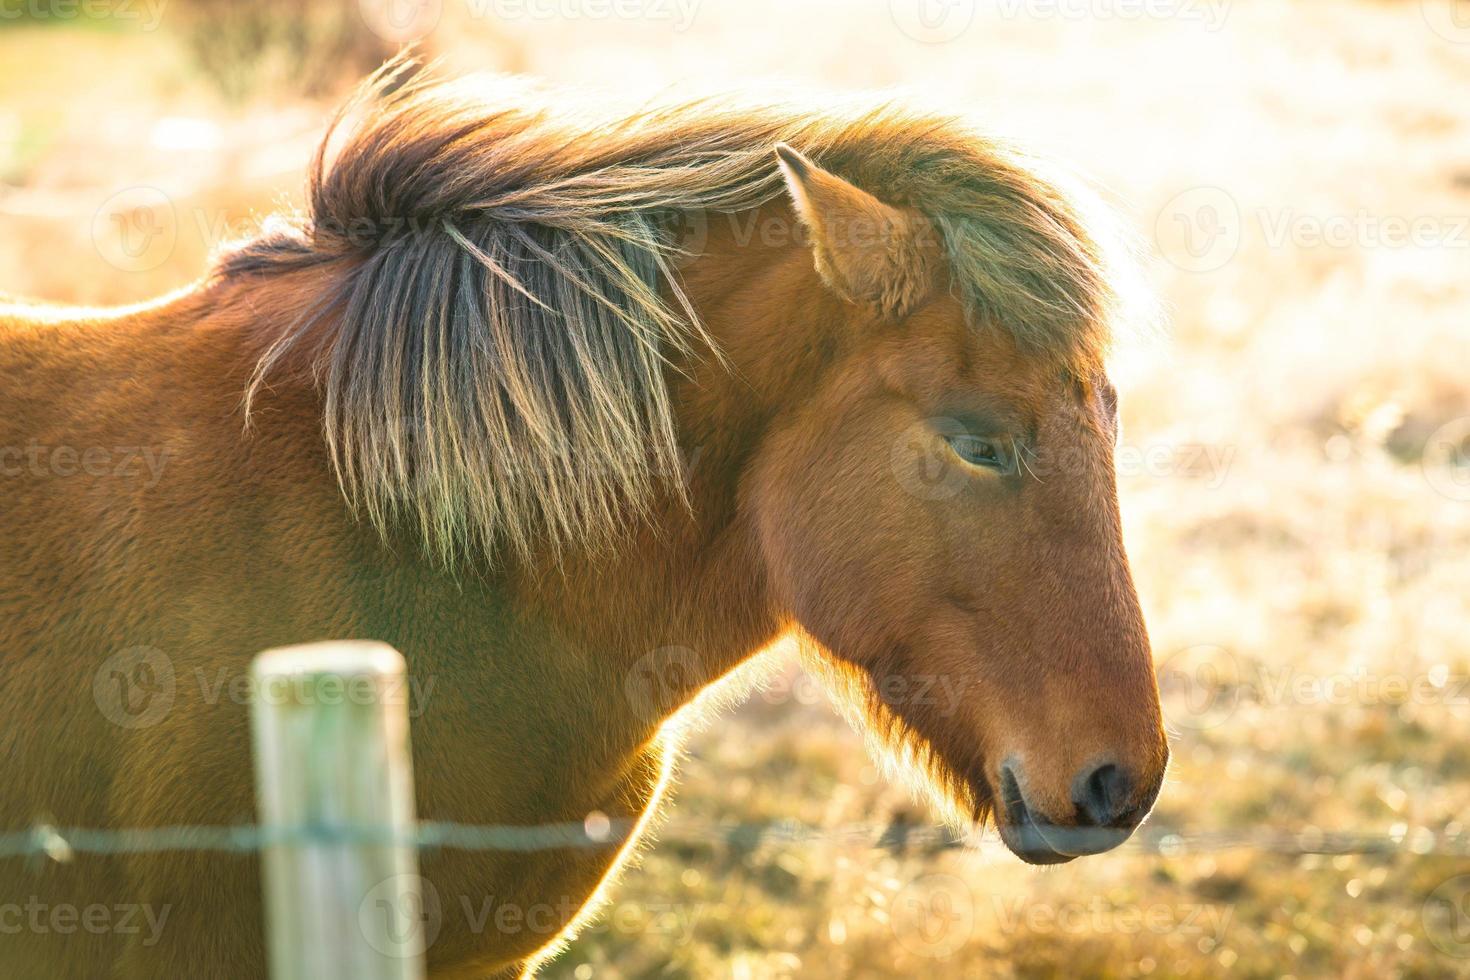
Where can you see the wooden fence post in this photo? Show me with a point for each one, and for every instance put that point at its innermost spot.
(330, 723)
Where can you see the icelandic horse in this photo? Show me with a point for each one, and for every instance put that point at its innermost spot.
(578, 408)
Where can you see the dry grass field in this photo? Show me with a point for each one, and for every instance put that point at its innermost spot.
(1295, 462)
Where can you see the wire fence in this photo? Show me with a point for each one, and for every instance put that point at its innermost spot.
(63, 844)
(339, 855)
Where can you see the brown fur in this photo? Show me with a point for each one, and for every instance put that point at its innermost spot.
(794, 516)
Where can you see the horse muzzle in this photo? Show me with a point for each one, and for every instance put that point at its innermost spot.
(1106, 811)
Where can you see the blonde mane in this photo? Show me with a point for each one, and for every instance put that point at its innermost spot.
(504, 300)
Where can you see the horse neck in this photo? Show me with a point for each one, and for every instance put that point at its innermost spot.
(693, 579)
(683, 594)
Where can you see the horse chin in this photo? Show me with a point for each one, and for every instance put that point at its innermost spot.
(1028, 842)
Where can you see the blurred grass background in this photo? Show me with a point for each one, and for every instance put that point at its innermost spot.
(1294, 471)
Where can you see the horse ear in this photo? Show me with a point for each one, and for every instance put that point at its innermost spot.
(865, 250)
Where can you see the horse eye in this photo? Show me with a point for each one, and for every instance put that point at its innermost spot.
(979, 452)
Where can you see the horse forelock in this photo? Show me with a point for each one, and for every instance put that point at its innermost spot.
(502, 297)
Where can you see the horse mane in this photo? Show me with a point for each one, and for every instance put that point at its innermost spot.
(492, 340)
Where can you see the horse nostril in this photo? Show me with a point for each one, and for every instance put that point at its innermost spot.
(1101, 797)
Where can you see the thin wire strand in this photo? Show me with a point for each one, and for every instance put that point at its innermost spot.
(63, 844)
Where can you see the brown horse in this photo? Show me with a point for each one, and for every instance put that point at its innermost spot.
(579, 411)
